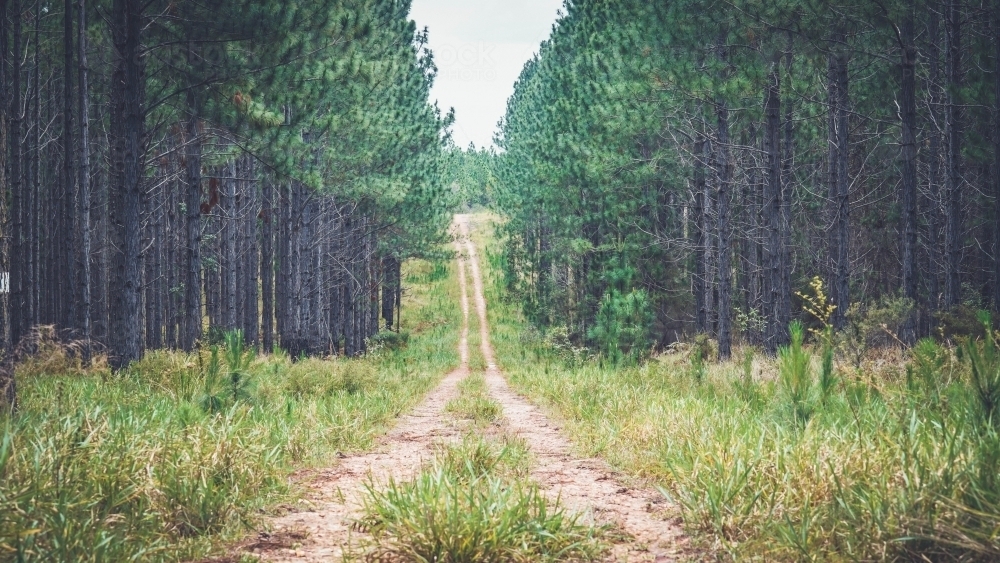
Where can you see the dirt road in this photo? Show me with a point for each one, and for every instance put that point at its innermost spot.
(587, 485)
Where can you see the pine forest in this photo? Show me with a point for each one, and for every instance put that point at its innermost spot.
(718, 281)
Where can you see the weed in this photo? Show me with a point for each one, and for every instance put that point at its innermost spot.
(460, 510)
(984, 359)
(165, 461)
(474, 403)
(796, 374)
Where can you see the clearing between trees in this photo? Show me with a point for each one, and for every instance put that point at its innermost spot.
(638, 519)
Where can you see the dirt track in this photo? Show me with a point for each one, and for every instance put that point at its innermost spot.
(321, 532)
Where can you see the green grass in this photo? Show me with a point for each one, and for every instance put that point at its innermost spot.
(133, 466)
(885, 467)
(474, 402)
(473, 504)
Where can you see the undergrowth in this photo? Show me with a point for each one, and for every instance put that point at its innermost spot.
(888, 456)
(473, 503)
(181, 452)
(474, 402)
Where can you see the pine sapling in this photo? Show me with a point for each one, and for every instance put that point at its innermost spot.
(796, 374)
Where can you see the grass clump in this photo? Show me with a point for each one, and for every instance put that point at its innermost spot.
(171, 458)
(888, 466)
(474, 402)
(470, 505)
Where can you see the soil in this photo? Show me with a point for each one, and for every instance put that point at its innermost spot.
(320, 529)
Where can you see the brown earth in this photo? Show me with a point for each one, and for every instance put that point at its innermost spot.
(321, 529)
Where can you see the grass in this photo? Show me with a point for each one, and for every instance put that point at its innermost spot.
(474, 402)
(885, 466)
(472, 503)
(133, 466)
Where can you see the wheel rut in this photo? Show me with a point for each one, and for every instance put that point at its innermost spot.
(587, 485)
(322, 530)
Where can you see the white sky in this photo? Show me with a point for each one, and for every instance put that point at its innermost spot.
(480, 47)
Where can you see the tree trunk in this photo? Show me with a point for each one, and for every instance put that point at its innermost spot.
(74, 265)
(996, 155)
(83, 99)
(908, 121)
(700, 236)
(725, 282)
(192, 281)
(18, 272)
(228, 264)
(126, 23)
(934, 257)
(772, 210)
(953, 124)
(267, 265)
(839, 184)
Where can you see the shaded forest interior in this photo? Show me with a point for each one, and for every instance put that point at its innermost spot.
(176, 170)
(674, 168)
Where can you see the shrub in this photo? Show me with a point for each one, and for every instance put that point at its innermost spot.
(925, 370)
(874, 326)
(959, 322)
(623, 327)
(460, 510)
(796, 374)
(984, 359)
(388, 340)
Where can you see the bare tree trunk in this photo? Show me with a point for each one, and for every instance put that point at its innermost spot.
(125, 333)
(934, 170)
(996, 155)
(908, 121)
(18, 272)
(192, 281)
(83, 98)
(700, 236)
(74, 265)
(268, 217)
(252, 258)
(725, 282)
(839, 183)
(772, 210)
(953, 123)
(228, 263)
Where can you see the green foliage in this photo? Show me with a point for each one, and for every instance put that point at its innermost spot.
(464, 508)
(474, 402)
(623, 327)
(470, 177)
(232, 385)
(557, 340)
(926, 369)
(746, 386)
(984, 359)
(874, 325)
(388, 340)
(959, 322)
(698, 364)
(874, 475)
(98, 466)
(795, 369)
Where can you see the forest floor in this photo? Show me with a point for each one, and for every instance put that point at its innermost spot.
(640, 523)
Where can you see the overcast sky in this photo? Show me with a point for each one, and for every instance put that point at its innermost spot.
(480, 47)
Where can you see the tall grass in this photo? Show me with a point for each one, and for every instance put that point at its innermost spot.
(473, 504)
(885, 467)
(474, 402)
(166, 460)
